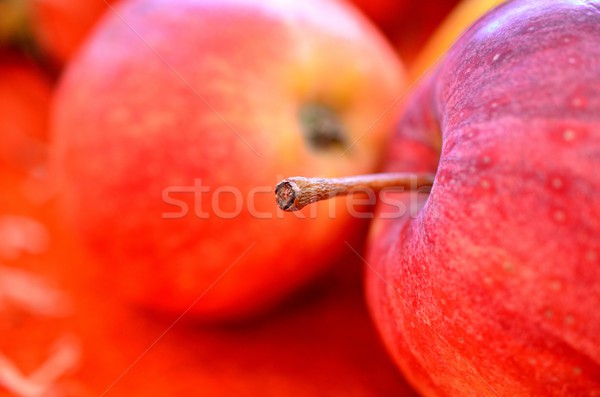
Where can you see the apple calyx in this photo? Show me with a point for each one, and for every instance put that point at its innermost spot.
(293, 194)
(322, 127)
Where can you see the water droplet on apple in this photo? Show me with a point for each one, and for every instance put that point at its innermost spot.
(530, 29)
(496, 57)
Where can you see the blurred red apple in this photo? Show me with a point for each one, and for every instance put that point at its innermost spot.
(176, 119)
(493, 288)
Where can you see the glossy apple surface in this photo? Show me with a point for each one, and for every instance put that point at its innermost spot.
(493, 286)
(177, 119)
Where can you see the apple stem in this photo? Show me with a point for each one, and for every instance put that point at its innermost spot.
(293, 194)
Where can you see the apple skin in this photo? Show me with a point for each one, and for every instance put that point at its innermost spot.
(211, 91)
(493, 286)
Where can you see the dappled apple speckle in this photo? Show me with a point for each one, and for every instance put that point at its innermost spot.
(578, 102)
(559, 216)
(557, 183)
(569, 135)
(555, 285)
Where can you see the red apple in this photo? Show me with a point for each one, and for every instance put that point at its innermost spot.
(176, 119)
(493, 287)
